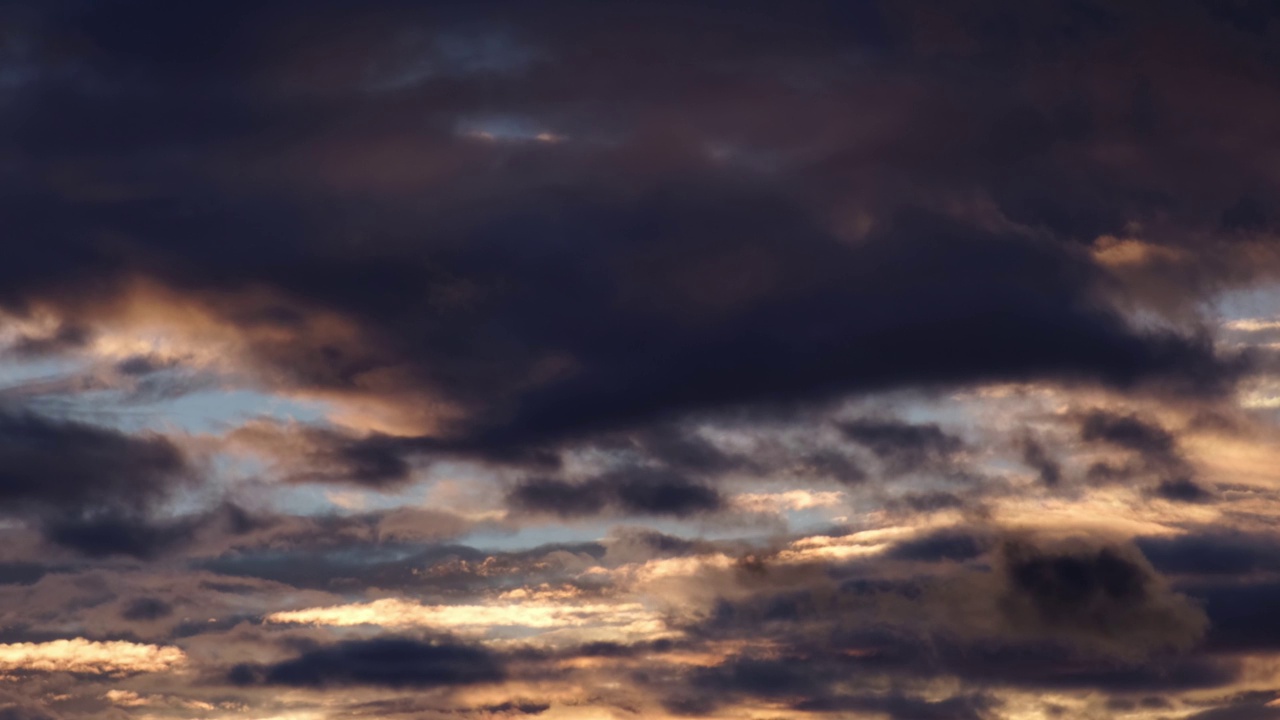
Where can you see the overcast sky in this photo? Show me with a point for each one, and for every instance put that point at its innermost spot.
(631, 359)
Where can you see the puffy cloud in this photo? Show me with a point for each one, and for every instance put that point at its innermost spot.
(1107, 594)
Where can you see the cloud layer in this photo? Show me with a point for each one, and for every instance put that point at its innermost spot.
(869, 359)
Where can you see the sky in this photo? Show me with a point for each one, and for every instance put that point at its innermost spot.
(622, 359)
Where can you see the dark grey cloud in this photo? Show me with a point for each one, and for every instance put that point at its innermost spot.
(112, 534)
(426, 569)
(146, 608)
(91, 488)
(375, 461)
(553, 291)
(1157, 451)
(382, 662)
(639, 491)
(21, 573)
(748, 215)
(1097, 592)
(1053, 616)
(903, 447)
(926, 502)
(60, 466)
(1130, 432)
(1183, 490)
(810, 684)
(903, 707)
(954, 545)
(17, 712)
(512, 707)
(66, 338)
(1213, 552)
(1037, 458)
(1238, 614)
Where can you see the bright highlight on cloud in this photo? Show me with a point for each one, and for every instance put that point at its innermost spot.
(518, 610)
(113, 658)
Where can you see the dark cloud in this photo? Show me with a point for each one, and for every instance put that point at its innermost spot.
(1105, 593)
(17, 712)
(631, 274)
(58, 466)
(766, 678)
(1213, 552)
(100, 536)
(1130, 432)
(539, 234)
(681, 448)
(427, 569)
(67, 337)
(1239, 614)
(381, 662)
(640, 491)
(140, 365)
(376, 461)
(903, 447)
(91, 488)
(1058, 582)
(954, 545)
(146, 608)
(21, 573)
(928, 501)
(819, 677)
(1037, 458)
(1157, 451)
(637, 336)
(517, 708)
(901, 707)
(731, 348)
(1182, 490)
(1057, 667)
(1052, 616)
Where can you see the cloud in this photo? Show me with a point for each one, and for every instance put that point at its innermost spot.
(1037, 458)
(902, 447)
(1238, 615)
(640, 491)
(901, 707)
(1110, 594)
(1156, 447)
(519, 275)
(522, 610)
(17, 712)
(58, 466)
(380, 662)
(101, 536)
(21, 573)
(1130, 432)
(146, 608)
(113, 658)
(1213, 551)
(955, 545)
(1245, 708)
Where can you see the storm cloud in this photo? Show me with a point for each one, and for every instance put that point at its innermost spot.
(906, 359)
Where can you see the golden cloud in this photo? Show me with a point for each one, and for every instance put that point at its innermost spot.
(88, 657)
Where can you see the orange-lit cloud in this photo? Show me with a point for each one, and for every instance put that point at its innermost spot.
(86, 656)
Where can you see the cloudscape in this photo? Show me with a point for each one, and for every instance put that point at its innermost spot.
(613, 359)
